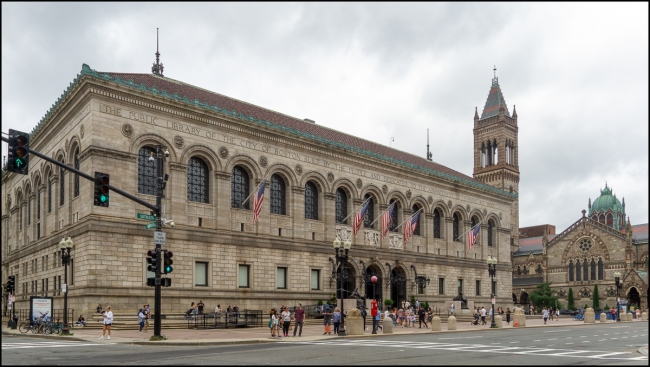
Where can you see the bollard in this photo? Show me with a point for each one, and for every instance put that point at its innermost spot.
(436, 324)
(590, 316)
(520, 316)
(498, 320)
(603, 317)
(451, 323)
(644, 316)
(353, 322)
(388, 325)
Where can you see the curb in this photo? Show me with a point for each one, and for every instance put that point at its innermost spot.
(186, 343)
(32, 335)
(644, 350)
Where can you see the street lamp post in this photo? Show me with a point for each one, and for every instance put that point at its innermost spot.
(66, 246)
(341, 261)
(492, 269)
(617, 280)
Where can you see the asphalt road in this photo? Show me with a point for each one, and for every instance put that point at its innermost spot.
(601, 344)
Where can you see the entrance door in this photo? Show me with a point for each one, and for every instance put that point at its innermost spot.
(349, 282)
(633, 298)
(398, 288)
(373, 290)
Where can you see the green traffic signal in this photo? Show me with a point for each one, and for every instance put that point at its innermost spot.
(168, 262)
(102, 181)
(18, 154)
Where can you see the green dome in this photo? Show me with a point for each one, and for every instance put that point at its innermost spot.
(605, 202)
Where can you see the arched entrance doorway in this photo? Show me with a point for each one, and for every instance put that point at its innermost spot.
(633, 298)
(373, 290)
(349, 282)
(398, 286)
(523, 300)
(514, 298)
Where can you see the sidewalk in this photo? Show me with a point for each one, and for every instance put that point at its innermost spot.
(263, 335)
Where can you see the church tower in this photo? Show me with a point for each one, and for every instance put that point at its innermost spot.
(496, 150)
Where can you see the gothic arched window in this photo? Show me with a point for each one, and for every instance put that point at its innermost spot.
(585, 270)
(61, 185)
(370, 212)
(76, 176)
(239, 188)
(29, 208)
(578, 271)
(571, 271)
(146, 171)
(593, 269)
(490, 233)
(198, 181)
(456, 226)
(518, 270)
(278, 195)
(311, 201)
(600, 269)
(525, 270)
(417, 228)
(610, 219)
(436, 223)
(539, 269)
(49, 193)
(341, 206)
(394, 220)
(594, 218)
(601, 218)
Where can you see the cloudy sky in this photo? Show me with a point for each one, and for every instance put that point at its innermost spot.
(578, 74)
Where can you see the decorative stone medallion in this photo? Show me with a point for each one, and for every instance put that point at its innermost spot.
(359, 183)
(430, 199)
(330, 176)
(298, 169)
(127, 130)
(223, 152)
(384, 189)
(408, 194)
(449, 204)
(263, 161)
(81, 131)
(179, 142)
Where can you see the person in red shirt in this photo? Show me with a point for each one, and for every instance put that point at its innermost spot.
(374, 311)
(299, 315)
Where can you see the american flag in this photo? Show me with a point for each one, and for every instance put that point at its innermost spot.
(358, 218)
(257, 202)
(410, 226)
(472, 236)
(385, 220)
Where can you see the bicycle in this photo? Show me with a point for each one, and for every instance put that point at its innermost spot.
(28, 326)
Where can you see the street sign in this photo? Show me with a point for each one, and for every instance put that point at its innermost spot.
(146, 216)
(159, 238)
(12, 298)
(64, 288)
(623, 302)
(493, 300)
(150, 225)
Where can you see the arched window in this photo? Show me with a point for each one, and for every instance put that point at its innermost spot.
(490, 233)
(49, 192)
(436, 223)
(20, 213)
(394, 220)
(525, 270)
(518, 270)
(456, 225)
(311, 201)
(29, 208)
(594, 218)
(585, 270)
(341, 206)
(610, 219)
(600, 269)
(198, 181)
(370, 212)
(239, 188)
(578, 271)
(146, 171)
(76, 176)
(417, 228)
(38, 202)
(61, 185)
(571, 271)
(539, 269)
(278, 195)
(593, 269)
(601, 218)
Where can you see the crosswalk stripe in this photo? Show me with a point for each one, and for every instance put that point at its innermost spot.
(8, 346)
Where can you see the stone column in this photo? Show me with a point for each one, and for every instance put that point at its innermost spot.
(23, 206)
(32, 205)
(329, 216)
(427, 231)
(449, 232)
(298, 211)
(388, 325)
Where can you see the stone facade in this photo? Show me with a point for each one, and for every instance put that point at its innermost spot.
(103, 121)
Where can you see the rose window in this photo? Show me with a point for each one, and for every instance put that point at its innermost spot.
(585, 244)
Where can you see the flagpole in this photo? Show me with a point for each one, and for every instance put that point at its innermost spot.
(471, 228)
(382, 213)
(252, 192)
(354, 211)
(419, 210)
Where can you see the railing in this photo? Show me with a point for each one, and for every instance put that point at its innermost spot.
(245, 318)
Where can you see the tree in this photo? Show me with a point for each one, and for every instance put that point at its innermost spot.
(543, 296)
(596, 304)
(570, 304)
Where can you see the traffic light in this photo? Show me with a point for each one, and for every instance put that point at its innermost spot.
(152, 261)
(18, 159)
(11, 284)
(166, 282)
(167, 261)
(151, 282)
(102, 180)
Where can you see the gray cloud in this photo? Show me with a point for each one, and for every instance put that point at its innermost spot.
(577, 73)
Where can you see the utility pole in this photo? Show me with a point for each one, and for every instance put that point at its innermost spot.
(158, 294)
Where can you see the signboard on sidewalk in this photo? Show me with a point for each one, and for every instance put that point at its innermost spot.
(40, 307)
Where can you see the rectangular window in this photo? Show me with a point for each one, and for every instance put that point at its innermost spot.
(35, 265)
(420, 288)
(47, 285)
(38, 231)
(478, 287)
(71, 271)
(244, 273)
(54, 289)
(43, 285)
(315, 279)
(46, 263)
(441, 285)
(201, 274)
(460, 286)
(282, 278)
(59, 289)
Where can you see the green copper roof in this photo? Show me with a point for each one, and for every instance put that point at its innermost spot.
(605, 202)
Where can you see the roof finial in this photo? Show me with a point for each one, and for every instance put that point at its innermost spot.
(429, 154)
(495, 71)
(475, 113)
(157, 67)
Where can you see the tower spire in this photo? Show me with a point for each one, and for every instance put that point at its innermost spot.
(157, 67)
(429, 155)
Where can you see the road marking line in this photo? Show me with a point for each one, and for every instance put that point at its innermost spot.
(605, 355)
(553, 339)
(537, 340)
(556, 331)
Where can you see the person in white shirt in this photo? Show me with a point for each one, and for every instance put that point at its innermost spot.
(545, 315)
(452, 309)
(286, 318)
(108, 321)
(483, 316)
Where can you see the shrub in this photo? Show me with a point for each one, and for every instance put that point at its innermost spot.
(388, 302)
(595, 303)
(320, 302)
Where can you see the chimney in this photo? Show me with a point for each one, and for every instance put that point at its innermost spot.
(309, 121)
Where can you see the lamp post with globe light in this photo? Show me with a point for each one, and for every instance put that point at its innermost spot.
(66, 246)
(617, 280)
(342, 262)
(492, 269)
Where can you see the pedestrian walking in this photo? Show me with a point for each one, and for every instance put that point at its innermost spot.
(374, 312)
(557, 314)
(141, 319)
(299, 316)
(364, 314)
(327, 319)
(638, 314)
(108, 321)
(422, 314)
(452, 309)
(277, 321)
(193, 309)
(483, 316)
(508, 315)
(545, 315)
(272, 322)
(145, 312)
(336, 319)
(200, 306)
(286, 318)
